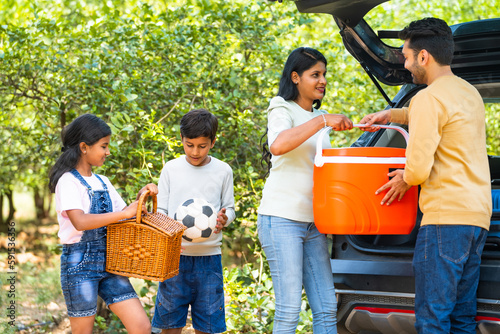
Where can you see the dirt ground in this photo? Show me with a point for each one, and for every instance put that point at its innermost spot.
(64, 328)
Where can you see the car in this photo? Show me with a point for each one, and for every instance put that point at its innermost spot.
(373, 273)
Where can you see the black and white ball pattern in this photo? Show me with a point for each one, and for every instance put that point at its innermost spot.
(199, 217)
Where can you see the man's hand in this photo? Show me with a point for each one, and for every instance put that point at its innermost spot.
(381, 117)
(397, 187)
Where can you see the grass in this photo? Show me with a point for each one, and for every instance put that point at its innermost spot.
(38, 297)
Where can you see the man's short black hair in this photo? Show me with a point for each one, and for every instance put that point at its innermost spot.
(431, 34)
(199, 123)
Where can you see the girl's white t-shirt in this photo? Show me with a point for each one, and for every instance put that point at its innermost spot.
(72, 194)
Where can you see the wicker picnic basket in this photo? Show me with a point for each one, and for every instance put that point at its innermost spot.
(146, 246)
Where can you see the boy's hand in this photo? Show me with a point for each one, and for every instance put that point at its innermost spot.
(153, 190)
(221, 220)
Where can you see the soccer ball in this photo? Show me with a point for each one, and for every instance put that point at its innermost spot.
(199, 217)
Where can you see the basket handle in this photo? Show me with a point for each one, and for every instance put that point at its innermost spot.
(318, 159)
(143, 197)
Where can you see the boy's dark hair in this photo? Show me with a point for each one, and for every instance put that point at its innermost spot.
(86, 128)
(300, 60)
(431, 34)
(199, 123)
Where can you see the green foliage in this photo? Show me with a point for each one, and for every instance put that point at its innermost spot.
(7, 329)
(251, 302)
(251, 306)
(111, 325)
(493, 128)
(100, 323)
(140, 70)
(142, 65)
(146, 289)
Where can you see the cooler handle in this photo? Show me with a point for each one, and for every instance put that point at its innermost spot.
(318, 159)
(394, 127)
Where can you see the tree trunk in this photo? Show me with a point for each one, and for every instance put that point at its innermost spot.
(42, 202)
(39, 203)
(48, 195)
(2, 227)
(63, 118)
(12, 209)
(102, 310)
(4, 223)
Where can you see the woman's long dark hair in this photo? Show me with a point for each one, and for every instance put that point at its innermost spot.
(300, 60)
(86, 128)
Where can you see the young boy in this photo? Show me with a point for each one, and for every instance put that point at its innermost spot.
(200, 279)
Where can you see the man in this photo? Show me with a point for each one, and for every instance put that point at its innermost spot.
(446, 156)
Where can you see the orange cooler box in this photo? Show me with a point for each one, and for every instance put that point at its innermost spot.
(345, 181)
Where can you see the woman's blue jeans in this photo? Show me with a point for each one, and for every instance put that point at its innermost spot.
(446, 266)
(298, 256)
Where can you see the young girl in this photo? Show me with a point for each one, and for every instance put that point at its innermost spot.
(85, 204)
(297, 253)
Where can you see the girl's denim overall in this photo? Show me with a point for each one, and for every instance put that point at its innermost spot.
(83, 264)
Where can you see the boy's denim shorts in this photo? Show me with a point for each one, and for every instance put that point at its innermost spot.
(83, 277)
(199, 284)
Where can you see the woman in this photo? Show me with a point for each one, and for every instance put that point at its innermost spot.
(297, 253)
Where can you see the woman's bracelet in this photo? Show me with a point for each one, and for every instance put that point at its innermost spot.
(324, 119)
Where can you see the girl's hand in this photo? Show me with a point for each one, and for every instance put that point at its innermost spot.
(131, 210)
(338, 122)
(221, 220)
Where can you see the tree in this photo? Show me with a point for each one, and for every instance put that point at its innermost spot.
(140, 71)
(142, 65)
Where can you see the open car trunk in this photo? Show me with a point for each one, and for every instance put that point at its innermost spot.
(476, 57)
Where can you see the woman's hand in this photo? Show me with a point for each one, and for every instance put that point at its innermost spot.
(290, 139)
(338, 122)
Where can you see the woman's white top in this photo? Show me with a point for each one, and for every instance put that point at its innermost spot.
(288, 189)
